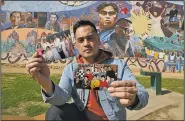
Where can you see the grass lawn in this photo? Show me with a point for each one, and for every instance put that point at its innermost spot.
(21, 94)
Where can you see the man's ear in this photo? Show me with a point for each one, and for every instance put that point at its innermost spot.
(74, 43)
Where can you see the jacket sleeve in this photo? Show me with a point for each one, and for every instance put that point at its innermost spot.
(124, 73)
(62, 92)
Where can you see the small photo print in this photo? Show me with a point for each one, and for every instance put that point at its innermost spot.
(56, 46)
(94, 76)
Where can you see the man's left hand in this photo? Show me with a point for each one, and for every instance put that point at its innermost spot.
(124, 90)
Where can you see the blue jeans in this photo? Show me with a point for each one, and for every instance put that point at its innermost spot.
(165, 66)
(178, 66)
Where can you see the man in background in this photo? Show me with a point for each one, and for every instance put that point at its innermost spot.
(15, 23)
(53, 24)
(109, 27)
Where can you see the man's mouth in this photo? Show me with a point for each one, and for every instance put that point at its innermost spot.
(88, 50)
(107, 21)
(127, 37)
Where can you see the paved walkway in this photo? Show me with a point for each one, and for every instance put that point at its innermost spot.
(158, 102)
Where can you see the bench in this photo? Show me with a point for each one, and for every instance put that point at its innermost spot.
(155, 80)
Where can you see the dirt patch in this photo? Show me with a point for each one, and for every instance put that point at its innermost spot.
(20, 110)
(161, 114)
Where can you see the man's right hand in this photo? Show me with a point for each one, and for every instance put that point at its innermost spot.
(39, 70)
(36, 66)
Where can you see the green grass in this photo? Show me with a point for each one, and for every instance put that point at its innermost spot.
(21, 91)
(176, 85)
(21, 95)
(34, 110)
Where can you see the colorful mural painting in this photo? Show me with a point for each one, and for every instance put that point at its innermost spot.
(146, 31)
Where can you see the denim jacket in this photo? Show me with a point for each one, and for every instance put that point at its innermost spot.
(111, 106)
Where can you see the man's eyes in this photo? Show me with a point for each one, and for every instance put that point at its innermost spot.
(80, 40)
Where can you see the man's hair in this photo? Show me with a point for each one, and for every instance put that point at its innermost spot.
(103, 5)
(103, 76)
(11, 14)
(95, 75)
(53, 14)
(83, 23)
(88, 69)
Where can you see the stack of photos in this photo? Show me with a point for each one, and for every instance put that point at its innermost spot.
(94, 76)
(56, 47)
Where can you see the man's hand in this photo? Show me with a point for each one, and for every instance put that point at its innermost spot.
(124, 90)
(39, 70)
(36, 65)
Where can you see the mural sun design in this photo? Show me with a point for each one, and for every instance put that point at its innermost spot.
(142, 29)
(73, 3)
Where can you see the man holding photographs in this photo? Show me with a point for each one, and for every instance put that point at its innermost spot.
(87, 104)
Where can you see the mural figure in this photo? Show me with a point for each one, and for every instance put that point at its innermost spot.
(15, 18)
(17, 47)
(53, 23)
(173, 14)
(108, 13)
(156, 23)
(118, 23)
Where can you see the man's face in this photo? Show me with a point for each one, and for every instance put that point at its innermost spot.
(106, 45)
(94, 77)
(16, 18)
(107, 17)
(88, 72)
(108, 79)
(105, 68)
(109, 68)
(155, 14)
(85, 79)
(102, 78)
(87, 42)
(53, 19)
(127, 29)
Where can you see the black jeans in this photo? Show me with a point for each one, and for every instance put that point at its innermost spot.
(66, 112)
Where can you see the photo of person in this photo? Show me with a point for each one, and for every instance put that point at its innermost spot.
(94, 76)
(95, 82)
(59, 43)
(86, 83)
(103, 82)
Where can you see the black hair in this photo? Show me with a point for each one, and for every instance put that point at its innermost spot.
(83, 23)
(38, 45)
(95, 75)
(48, 47)
(103, 5)
(11, 14)
(88, 69)
(53, 14)
(103, 76)
(122, 22)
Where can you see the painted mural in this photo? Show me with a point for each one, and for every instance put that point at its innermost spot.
(141, 32)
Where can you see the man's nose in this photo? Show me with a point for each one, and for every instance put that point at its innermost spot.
(86, 42)
(107, 15)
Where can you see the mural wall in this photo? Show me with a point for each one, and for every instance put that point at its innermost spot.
(138, 31)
